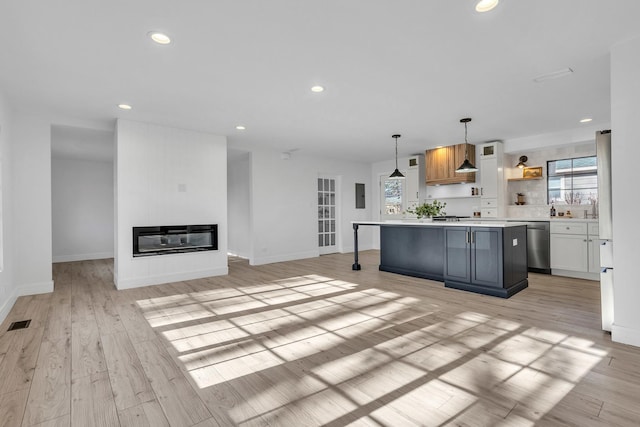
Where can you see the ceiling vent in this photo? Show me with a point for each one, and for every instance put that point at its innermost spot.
(553, 75)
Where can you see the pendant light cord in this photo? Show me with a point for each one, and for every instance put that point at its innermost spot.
(396, 138)
(466, 143)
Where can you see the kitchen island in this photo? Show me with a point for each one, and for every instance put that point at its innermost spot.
(474, 256)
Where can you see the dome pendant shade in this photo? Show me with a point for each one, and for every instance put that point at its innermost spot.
(396, 173)
(466, 166)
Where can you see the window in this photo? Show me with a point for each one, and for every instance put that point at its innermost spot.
(572, 181)
(392, 200)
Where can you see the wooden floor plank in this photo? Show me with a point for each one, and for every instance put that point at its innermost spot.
(86, 348)
(181, 405)
(63, 421)
(147, 414)
(92, 402)
(49, 397)
(128, 380)
(20, 360)
(12, 408)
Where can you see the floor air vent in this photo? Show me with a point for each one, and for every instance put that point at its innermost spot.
(22, 324)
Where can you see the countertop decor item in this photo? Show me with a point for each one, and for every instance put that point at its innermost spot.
(534, 172)
(466, 166)
(428, 210)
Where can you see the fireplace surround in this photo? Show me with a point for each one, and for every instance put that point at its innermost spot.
(174, 239)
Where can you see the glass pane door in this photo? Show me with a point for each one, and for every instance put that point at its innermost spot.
(327, 215)
(392, 199)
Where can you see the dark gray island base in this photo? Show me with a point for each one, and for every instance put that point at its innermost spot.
(486, 260)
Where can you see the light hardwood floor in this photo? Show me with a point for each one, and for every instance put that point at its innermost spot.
(309, 343)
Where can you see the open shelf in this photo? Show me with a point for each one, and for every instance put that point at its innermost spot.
(525, 179)
(453, 197)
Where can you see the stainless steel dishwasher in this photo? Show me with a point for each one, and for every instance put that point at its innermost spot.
(538, 247)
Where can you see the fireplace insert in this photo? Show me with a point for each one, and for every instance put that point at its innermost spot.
(173, 239)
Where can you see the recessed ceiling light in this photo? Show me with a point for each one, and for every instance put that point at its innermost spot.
(317, 89)
(124, 106)
(159, 38)
(240, 127)
(486, 5)
(586, 120)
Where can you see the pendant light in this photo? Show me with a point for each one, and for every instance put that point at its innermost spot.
(521, 164)
(396, 173)
(466, 166)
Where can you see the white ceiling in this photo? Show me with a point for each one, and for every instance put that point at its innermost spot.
(413, 67)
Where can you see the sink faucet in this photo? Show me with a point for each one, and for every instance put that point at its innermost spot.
(594, 209)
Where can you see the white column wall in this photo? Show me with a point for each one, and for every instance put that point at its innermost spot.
(285, 205)
(31, 203)
(625, 149)
(168, 176)
(7, 286)
(239, 199)
(82, 196)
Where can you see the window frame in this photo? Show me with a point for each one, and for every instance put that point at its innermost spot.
(571, 174)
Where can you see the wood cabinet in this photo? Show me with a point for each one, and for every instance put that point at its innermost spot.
(487, 260)
(441, 164)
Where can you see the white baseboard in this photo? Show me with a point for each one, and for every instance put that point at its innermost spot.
(283, 257)
(82, 257)
(575, 274)
(625, 335)
(34, 288)
(7, 306)
(23, 290)
(169, 278)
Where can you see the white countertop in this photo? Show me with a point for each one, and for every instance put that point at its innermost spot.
(428, 223)
(537, 218)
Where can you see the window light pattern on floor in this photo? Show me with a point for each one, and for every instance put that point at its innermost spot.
(312, 350)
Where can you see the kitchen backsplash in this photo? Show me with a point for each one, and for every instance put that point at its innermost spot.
(535, 191)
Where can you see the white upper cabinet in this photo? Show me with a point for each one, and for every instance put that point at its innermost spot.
(492, 181)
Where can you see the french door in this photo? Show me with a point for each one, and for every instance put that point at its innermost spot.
(327, 215)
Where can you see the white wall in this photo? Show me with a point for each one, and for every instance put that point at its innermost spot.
(31, 203)
(285, 205)
(239, 206)
(7, 286)
(625, 149)
(82, 209)
(168, 176)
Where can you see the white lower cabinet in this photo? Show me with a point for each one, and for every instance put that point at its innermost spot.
(575, 249)
(569, 252)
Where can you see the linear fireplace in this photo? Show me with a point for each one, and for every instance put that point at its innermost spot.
(173, 239)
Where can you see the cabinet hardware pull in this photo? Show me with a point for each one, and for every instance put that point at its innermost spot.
(473, 237)
(467, 239)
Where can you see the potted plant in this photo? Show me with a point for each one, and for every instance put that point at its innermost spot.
(428, 210)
